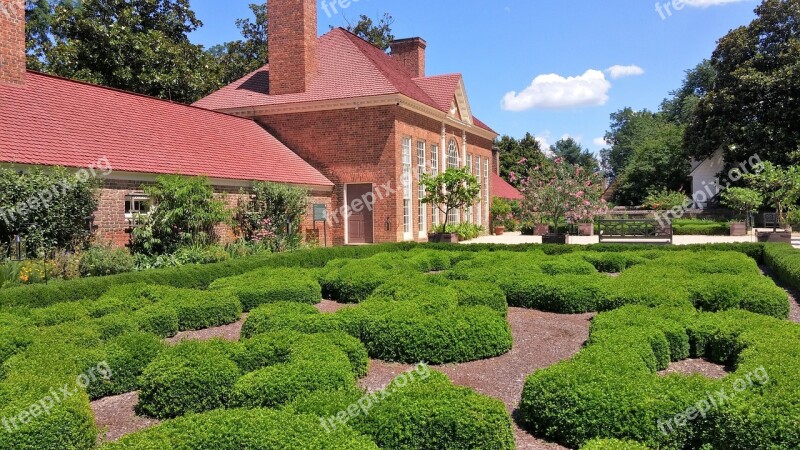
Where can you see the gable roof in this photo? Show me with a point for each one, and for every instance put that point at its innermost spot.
(501, 188)
(349, 67)
(55, 121)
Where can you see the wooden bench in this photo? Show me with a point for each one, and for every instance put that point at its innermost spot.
(635, 231)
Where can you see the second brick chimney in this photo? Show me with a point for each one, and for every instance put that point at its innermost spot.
(292, 30)
(12, 41)
(411, 54)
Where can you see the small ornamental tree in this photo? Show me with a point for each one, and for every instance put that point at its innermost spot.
(273, 215)
(742, 200)
(780, 187)
(561, 191)
(452, 189)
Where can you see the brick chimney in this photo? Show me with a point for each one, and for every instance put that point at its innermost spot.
(292, 31)
(12, 41)
(411, 54)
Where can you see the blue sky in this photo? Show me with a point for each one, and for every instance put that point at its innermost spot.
(541, 66)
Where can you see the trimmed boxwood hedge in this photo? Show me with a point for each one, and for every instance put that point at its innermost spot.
(267, 370)
(252, 429)
(264, 286)
(612, 444)
(610, 389)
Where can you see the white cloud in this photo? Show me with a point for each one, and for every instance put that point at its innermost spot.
(624, 71)
(600, 141)
(553, 91)
(544, 140)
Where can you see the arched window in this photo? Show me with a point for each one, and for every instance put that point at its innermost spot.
(452, 155)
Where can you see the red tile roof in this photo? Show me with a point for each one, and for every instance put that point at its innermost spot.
(501, 188)
(55, 121)
(349, 67)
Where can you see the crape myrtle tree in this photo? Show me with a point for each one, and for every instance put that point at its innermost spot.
(450, 190)
(780, 187)
(272, 215)
(559, 191)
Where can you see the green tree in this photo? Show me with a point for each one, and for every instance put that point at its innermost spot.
(184, 212)
(742, 200)
(780, 187)
(517, 157)
(452, 189)
(136, 45)
(646, 154)
(682, 103)
(574, 154)
(273, 215)
(48, 208)
(753, 107)
(378, 34)
(238, 58)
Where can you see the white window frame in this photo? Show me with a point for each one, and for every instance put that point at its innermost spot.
(468, 165)
(422, 213)
(479, 207)
(130, 214)
(407, 188)
(453, 161)
(434, 172)
(486, 197)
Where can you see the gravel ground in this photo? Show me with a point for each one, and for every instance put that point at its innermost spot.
(116, 417)
(794, 295)
(540, 340)
(230, 332)
(696, 366)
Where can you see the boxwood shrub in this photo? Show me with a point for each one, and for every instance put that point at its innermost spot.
(126, 355)
(612, 444)
(252, 429)
(264, 286)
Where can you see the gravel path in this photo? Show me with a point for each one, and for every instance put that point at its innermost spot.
(696, 366)
(115, 416)
(230, 332)
(794, 295)
(540, 340)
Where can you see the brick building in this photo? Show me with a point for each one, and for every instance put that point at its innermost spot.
(363, 119)
(333, 114)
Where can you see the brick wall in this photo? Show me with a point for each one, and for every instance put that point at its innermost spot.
(292, 30)
(365, 146)
(112, 227)
(12, 41)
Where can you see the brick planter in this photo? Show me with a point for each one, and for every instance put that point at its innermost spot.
(783, 237)
(451, 238)
(739, 229)
(552, 238)
(541, 230)
(585, 229)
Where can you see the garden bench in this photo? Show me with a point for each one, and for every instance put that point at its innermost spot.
(635, 231)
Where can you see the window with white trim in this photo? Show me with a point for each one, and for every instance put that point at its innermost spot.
(468, 212)
(407, 186)
(486, 198)
(453, 163)
(422, 216)
(136, 205)
(479, 207)
(434, 172)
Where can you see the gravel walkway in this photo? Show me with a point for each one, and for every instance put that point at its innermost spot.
(115, 416)
(696, 366)
(230, 332)
(794, 295)
(540, 340)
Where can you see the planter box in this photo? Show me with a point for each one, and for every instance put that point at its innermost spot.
(784, 237)
(451, 238)
(541, 230)
(585, 229)
(554, 238)
(498, 231)
(739, 229)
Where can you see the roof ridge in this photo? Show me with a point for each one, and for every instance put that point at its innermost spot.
(134, 94)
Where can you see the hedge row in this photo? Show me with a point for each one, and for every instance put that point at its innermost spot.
(266, 371)
(271, 285)
(611, 388)
(784, 260)
(571, 283)
(421, 410)
(252, 429)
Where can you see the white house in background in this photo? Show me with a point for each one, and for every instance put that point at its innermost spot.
(705, 179)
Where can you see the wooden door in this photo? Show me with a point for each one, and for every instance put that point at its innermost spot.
(360, 204)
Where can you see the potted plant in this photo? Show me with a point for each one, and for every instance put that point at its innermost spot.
(781, 189)
(745, 201)
(501, 212)
(561, 191)
(452, 189)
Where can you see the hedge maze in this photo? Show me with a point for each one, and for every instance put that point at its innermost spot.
(295, 366)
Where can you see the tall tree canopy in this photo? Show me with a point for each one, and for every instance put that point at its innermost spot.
(238, 58)
(136, 45)
(518, 156)
(379, 34)
(574, 154)
(754, 106)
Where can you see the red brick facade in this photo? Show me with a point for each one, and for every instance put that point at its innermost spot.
(365, 145)
(12, 41)
(293, 45)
